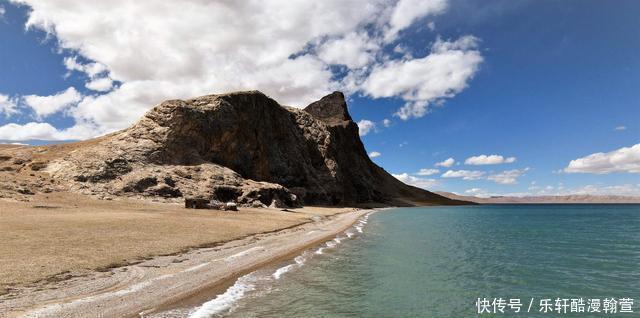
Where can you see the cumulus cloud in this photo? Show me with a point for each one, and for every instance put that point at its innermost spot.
(625, 159)
(2, 12)
(620, 128)
(374, 154)
(386, 122)
(46, 105)
(477, 192)
(103, 84)
(415, 181)
(355, 50)
(160, 50)
(40, 131)
(446, 163)
(157, 50)
(443, 73)
(408, 11)
(428, 172)
(507, 176)
(464, 174)
(489, 160)
(366, 126)
(90, 69)
(8, 105)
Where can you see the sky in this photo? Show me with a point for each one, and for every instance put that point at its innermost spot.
(483, 98)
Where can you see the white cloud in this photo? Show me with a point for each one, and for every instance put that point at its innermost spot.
(626, 159)
(205, 44)
(165, 50)
(464, 174)
(386, 122)
(90, 69)
(2, 12)
(103, 84)
(489, 160)
(354, 50)
(46, 105)
(408, 11)
(8, 105)
(507, 176)
(40, 131)
(446, 163)
(427, 172)
(415, 181)
(374, 154)
(421, 81)
(365, 126)
(620, 128)
(159, 50)
(477, 192)
(431, 25)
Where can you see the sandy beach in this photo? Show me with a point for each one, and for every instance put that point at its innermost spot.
(153, 257)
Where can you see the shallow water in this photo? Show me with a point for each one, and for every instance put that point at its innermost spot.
(436, 262)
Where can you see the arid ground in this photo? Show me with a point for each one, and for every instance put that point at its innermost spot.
(57, 235)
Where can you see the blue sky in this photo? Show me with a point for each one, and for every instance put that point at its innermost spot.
(549, 83)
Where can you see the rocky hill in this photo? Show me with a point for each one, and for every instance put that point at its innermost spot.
(242, 147)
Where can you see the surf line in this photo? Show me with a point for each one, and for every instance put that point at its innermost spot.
(248, 282)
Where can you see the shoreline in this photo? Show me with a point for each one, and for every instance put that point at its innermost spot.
(215, 290)
(172, 281)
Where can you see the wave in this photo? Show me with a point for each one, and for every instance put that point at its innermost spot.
(248, 282)
(226, 300)
(299, 261)
(282, 270)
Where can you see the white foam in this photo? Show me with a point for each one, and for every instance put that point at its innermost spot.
(226, 300)
(282, 270)
(299, 262)
(349, 234)
(358, 228)
(319, 251)
(330, 244)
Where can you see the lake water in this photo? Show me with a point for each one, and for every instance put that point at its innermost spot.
(437, 262)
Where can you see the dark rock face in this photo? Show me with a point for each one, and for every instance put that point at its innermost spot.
(331, 109)
(242, 147)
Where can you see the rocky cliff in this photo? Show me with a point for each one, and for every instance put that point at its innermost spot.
(241, 147)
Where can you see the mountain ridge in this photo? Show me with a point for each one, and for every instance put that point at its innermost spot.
(241, 146)
(544, 199)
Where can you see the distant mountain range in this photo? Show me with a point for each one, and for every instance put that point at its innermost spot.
(576, 198)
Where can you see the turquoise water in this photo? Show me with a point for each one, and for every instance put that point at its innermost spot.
(436, 262)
